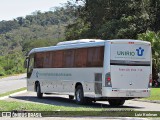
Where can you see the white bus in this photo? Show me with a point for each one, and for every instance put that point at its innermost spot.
(91, 70)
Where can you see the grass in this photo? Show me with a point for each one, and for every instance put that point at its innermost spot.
(11, 92)
(8, 106)
(54, 110)
(155, 94)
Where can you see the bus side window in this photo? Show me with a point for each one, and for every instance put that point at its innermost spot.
(68, 58)
(57, 59)
(39, 60)
(95, 57)
(47, 63)
(81, 57)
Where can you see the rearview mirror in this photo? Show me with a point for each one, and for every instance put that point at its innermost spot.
(26, 62)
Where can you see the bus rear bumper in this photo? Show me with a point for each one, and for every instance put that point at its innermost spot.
(129, 93)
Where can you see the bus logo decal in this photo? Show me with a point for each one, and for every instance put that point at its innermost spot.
(140, 51)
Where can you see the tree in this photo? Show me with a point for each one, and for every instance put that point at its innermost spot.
(108, 19)
(154, 38)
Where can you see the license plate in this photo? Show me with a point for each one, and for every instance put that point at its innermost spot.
(129, 93)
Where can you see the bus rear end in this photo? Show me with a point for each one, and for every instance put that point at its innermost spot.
(129, 74)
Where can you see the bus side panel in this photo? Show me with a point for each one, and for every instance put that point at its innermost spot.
(63, 80)
(30, 84)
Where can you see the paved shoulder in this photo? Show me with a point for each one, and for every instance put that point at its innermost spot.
(14, 77)
(12, 83)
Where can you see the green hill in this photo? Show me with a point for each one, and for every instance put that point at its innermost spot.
(19, 36)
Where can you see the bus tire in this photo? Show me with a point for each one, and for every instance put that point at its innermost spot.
(79, 95)
(39, 94)
(71, 97)
(116, 102)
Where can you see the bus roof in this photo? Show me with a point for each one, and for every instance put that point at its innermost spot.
(81, 44)
(70, 44)
(80, 41)
(128, 40)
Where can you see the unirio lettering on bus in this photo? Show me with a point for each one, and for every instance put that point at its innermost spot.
(125, 53)
(138, 52)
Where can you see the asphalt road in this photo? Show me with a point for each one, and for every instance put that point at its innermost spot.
(12, 83)
(62, 100)
(16, 82)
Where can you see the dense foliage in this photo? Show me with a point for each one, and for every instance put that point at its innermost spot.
(154, 38)
(110, 19)
(115, 19)
(19, 36)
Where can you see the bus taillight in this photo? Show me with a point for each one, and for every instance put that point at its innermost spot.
(150, 81)
(108, 80)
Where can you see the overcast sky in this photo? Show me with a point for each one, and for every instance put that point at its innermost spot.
(10, 9)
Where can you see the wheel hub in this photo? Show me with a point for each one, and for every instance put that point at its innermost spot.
(78, 95)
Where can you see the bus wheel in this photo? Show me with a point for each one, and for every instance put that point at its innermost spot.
(71, 97)
(116, 102)
(79, 95)
(39, 94)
